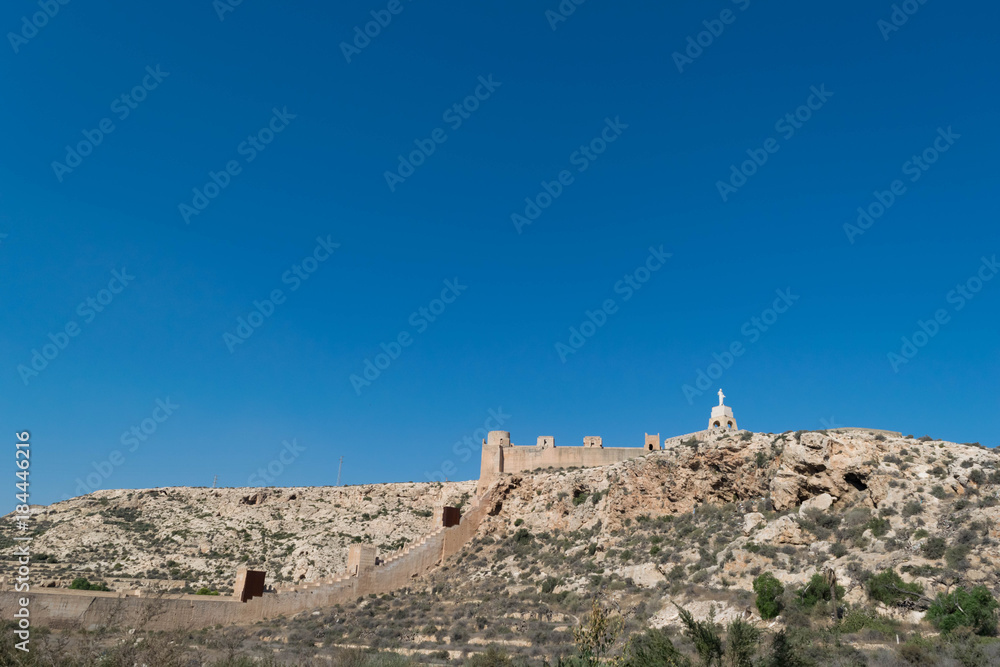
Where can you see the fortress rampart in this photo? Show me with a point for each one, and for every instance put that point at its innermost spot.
(366, 573)
(92, 610)
(500, 456)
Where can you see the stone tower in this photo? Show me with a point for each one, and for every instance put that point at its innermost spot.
(722, 416)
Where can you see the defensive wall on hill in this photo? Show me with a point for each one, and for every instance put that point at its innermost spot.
(366, 573)
(91, 609)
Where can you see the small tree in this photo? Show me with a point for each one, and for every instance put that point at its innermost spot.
(975, 609)
(705, 635)
(595, 639)
(888, 588)
(769, 591)
(781, 654)
(741, 643)
(817, 590)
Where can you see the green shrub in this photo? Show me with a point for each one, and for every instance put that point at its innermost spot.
(879, 527)
(705, 637)
(769, 591)
(492, 657)
(781, 653)
(81, 584)
(654, 649)
(206, 591)
(975, 609)
(818, 590)
(888, 588)
(742, 639)
(857, 620)
(934, 548)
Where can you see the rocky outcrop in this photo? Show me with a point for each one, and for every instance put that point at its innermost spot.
(816, 463)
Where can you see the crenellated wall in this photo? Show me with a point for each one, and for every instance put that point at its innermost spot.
(506, 458)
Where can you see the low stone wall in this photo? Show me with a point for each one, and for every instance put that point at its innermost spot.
(64, 609)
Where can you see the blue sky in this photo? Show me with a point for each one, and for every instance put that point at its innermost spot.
(685, 194)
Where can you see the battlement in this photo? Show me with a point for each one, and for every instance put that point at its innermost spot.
(500, 456)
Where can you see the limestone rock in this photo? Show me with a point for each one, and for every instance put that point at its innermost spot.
(783, 531)
(646, 575)
(751, 521)
(815, 464)
(822, 502)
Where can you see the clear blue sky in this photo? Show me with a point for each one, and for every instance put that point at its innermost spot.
(641, 138)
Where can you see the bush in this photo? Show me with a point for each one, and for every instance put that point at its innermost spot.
(879, 527)
(81, 584)
(934, 548)
(857, 620)
(975, 609)
(654, 649)
(883, 588)
(206, 591)
(741, 643)
(705, 637)
(549, 584)
(492, 657)
(838, 550)
(769, 591)
(818, 590)
(781, 653)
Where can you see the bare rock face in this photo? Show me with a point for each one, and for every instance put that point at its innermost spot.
(822, 502)
(816, 463)
(783, 531)
(751, 521)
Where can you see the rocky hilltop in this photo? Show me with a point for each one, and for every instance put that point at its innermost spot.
(689, 526)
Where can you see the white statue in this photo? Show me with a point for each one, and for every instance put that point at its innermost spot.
(721, 396)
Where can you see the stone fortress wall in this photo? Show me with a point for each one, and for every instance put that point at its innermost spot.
(500, 456)
(366, 573)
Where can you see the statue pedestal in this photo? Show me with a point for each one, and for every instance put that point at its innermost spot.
(722, 418)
